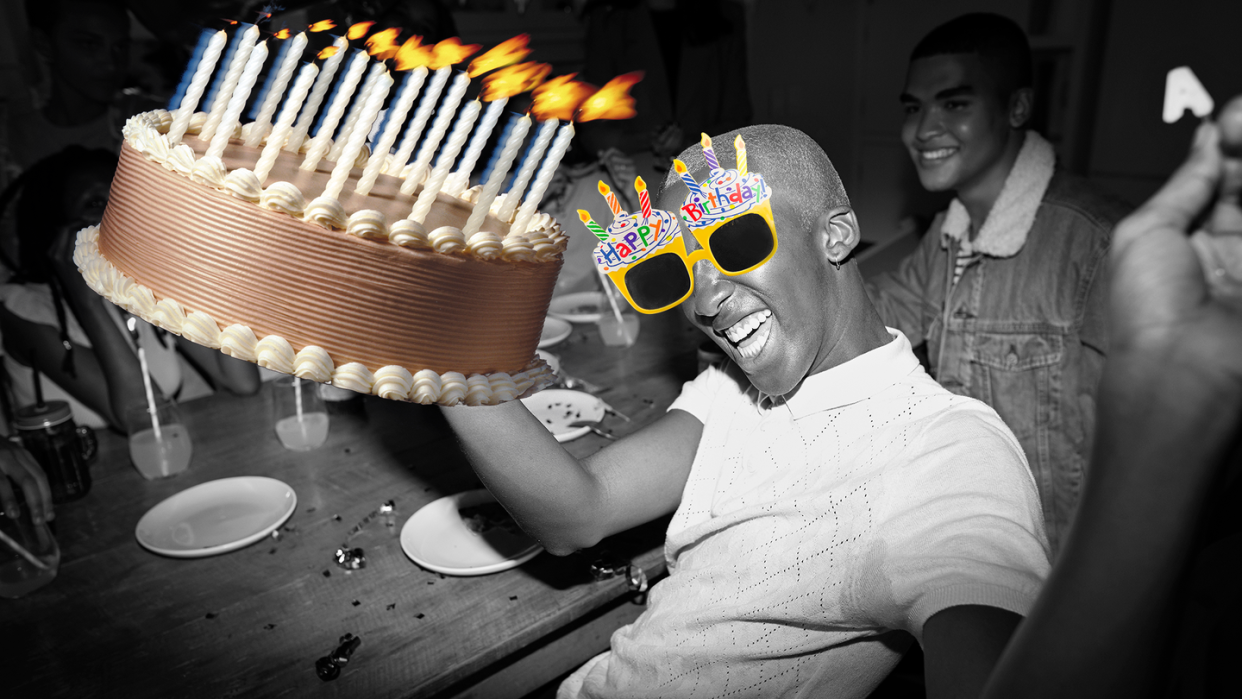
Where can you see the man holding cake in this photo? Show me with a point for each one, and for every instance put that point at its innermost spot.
(828, 495)
(1008, 286)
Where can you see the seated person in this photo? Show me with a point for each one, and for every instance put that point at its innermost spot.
(831, 500)
(53, 323)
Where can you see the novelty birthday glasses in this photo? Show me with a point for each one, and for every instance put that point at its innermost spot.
(730, 215)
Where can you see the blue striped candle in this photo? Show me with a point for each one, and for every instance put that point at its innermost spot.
(510, 122)
(332, 95)
(204, 38)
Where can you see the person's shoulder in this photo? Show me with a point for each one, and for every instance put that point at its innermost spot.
(1080, 197)
(957, 423)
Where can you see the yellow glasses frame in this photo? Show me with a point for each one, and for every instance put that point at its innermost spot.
(678, 247)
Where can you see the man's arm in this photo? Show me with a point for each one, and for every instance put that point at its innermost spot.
(901, 297)
(961, 646)
(234, 375)
(569, 504)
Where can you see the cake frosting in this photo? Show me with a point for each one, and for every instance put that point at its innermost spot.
(347, 291)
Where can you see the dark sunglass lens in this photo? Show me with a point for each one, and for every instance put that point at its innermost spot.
(742, 243)
(658, 281)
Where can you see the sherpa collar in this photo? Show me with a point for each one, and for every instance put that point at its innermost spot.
(1004, 231)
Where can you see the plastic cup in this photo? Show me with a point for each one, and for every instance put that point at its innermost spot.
(29, 556)
(299, 429)
(158, 455)
(616, 334)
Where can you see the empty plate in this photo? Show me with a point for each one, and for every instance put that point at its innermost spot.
(466, 534)
(216, 517)
(582, 307)
(554, 330)
(558, 409)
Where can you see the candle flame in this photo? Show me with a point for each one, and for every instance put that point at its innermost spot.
(705, 141)
(282, 34)
(322, 25)
(603, 189)
(514, 80)
(359, 30)
(584, 215)
(559, 97)
(383, 44)
(503, 54)
(612, 101)
(413, 54)
(230, 22)
(328, 52)
(680, 167)
(639, 185)
(451, 52)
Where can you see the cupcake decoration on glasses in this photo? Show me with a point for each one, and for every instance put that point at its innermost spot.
(729, 214)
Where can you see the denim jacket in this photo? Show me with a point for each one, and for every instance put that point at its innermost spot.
(1025, 334)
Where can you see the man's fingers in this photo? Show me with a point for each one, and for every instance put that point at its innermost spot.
(8, 502)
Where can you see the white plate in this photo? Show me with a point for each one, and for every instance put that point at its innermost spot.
(437, 538)
(216, 516)
(556, 408)
(553, 361)
(554, 330)
(582, 307)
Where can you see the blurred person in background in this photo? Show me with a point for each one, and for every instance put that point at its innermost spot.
(1008, 286)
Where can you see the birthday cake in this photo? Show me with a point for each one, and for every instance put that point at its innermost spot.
(307, 276)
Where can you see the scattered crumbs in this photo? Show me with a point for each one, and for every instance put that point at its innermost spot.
(391, 606)
(336, 518)
(431, 582)
(349, 450)
(211, 615)
(327, 573)
(276, 534)
(648, 401)
(420, 615)
(273, 550)
(268, 627)
(512, 598)
(311, 509)
(356, 603)
(291, 527)
(441, 575)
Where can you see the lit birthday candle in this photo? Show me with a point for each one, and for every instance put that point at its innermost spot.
(591, 225)
(544, 178)
(708, 154)
(191, 67)
(421, 116)
(497, 89)
(461, 178)
(223, 96)
(613, 205)
(465, 122)
(644, 197)
(322, 83)
(276, 90)
(410, 88)
(684, 172)
(355, 112)
(739, 147)
(497, 177)
(546, 131)
(444, 118)
(336, 107)
(370, 111)
(193, 93)
(284, 123)
(228, 122)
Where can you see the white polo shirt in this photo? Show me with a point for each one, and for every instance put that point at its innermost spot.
(813, 527)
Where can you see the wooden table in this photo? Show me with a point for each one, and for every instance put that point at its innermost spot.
(119, 620)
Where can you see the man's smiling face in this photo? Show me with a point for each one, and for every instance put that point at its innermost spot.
(957, 123)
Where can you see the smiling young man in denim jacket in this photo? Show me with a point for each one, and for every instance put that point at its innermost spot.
(1008, 286)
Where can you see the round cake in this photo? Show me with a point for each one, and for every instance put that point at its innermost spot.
(347, 292)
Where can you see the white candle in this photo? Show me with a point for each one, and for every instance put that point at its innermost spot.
(425, 108)
(370, 110)
(293, 54)
(221, 101)
(319, 146)
(461, 177)
(444, 117)
(285, 122)
(355, 112)
(461, 130)
(396, 117)
(181, 120)
(516, 138)
(546, 131)
(553, 161)
(322, 83)
(240, 95)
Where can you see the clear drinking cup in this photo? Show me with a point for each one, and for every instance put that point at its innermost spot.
(29, 555)
(618, 334)
(300, 418)
(159, 443)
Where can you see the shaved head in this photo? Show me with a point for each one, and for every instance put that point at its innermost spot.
(794, 166)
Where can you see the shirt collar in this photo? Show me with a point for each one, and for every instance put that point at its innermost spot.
(855, 380)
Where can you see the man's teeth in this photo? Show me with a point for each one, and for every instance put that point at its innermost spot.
(938, 154)
(746, 326)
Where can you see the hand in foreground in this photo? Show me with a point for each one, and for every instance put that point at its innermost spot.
(20, 466)
(1177, 291)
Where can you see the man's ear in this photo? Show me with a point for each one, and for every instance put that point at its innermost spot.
(1021, 106)
(839, 234)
